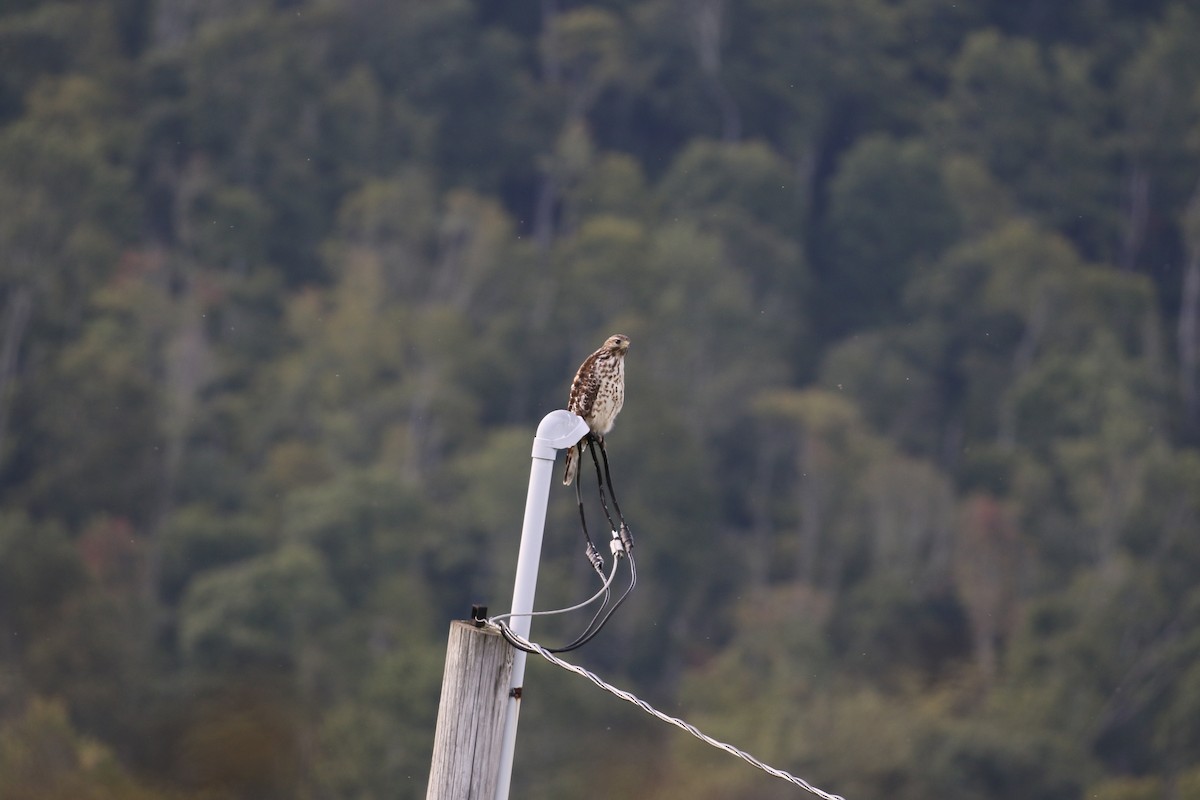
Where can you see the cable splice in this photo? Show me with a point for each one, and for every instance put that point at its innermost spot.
(592, 628)
(593, 555)
(604, 589)
(621, 546)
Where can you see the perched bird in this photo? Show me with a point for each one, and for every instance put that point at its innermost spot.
(597, 394)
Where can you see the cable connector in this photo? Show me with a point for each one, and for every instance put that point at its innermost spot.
(616, 545)
(596, 559)
(626, 537)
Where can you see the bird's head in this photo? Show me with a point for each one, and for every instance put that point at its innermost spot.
(617, 343)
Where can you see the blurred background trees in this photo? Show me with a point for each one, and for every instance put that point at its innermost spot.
(911, 436)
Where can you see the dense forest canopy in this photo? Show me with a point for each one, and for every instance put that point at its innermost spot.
(911, 443)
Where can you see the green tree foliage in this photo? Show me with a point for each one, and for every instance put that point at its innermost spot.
(261, 611)
(1034, 115)
(909, 447)
(43, 756)
(889, 215)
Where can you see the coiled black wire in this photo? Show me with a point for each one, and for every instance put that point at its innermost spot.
(622, 547)
(589, 632)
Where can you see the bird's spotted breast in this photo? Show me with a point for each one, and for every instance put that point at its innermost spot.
(597, 393)
(610, 396)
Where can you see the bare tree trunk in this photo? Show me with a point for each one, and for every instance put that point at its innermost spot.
(543, 214)
(1006, 432)
(547, 193)
(1139, 211)
(1189, 336)
(17, 312)
(986, 562)
(731, 116)
(762, 530)
(706, 18)
(551, 67)
(187, 370)
(1189, 313)
(811, 511)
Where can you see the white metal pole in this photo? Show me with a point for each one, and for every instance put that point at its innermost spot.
(558, 430)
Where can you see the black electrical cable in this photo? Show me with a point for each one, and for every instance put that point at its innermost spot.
(622, 547)
(626, 537)
(586, 636)
(600, 482)
(605, 480)
(622, 532)
(593, 555)
(599, 610)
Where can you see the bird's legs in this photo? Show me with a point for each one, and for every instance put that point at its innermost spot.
(592, 554)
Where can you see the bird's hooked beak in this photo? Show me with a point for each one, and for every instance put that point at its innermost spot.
(621, 343)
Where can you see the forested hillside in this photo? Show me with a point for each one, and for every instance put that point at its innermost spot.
(911, 439)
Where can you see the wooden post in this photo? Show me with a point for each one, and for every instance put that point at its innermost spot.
(470, 725)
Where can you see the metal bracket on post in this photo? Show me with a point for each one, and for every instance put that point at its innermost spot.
(558, 430)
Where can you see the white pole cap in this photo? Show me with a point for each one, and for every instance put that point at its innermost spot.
(558, 430)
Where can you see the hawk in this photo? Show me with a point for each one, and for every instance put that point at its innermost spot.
(597, 394)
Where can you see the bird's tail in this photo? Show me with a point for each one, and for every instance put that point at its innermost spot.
(572, 466)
